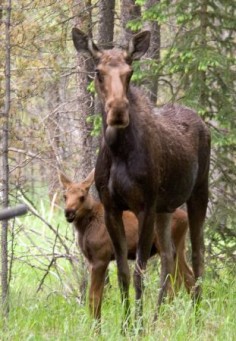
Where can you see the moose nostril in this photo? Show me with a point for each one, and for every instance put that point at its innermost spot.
(118, 113)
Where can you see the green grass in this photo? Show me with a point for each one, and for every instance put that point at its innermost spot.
(53, 313)
(50, 316)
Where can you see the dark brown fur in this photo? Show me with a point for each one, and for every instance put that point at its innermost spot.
(88, 219)
(149, 164)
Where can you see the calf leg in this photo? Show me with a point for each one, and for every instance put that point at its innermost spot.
(197, 206)
(115, 227)
(163, 226)
(184, 272)
(98, 272)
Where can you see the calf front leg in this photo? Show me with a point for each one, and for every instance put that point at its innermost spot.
(98, 273)
(115, 227)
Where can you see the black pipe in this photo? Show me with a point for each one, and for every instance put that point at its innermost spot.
(12, 212)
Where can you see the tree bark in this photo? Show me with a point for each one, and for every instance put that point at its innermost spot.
(5, 166)
(153, 52)
(203, 43)
(104, 37)
(85, 98)
(129, 11)
(106, 23)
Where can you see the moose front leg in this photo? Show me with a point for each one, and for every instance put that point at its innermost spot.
(146, 230)
(115, 227)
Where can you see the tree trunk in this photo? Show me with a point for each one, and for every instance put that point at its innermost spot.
(129, 11)
(153, 52)
(85, 98)
(86, 108)
(105, 36)
(203, 42)
(105, 33)
(5, 166)
(106, 23)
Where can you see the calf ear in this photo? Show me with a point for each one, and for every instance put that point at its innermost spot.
(89, 180)
(64, 181)
(139, 44)
(83, 43)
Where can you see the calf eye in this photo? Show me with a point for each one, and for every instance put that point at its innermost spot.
(64, 197)
(81, 199)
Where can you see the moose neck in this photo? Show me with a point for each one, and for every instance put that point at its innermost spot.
(122, 140)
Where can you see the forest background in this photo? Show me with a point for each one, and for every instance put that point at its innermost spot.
(50, 117)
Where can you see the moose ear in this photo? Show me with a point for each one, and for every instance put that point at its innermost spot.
(139, 44)
(64, 181)
(83, 43)
(89, 180)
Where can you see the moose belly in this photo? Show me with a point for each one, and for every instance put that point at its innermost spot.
(171, 195)
(133, 193)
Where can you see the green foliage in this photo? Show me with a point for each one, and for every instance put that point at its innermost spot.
(200, 56)
(134, 25)
(96, 121)
(91, 87)
(159, 12)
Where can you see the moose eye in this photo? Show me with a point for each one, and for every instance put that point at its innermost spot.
(99, 75)
(81, 199)
(64, 197)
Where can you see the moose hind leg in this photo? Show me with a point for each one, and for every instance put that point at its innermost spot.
(197, 206)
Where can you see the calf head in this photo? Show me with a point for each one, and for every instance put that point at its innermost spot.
(113, 72)
(76, 196)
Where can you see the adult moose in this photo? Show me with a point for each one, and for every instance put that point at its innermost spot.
(149, 164)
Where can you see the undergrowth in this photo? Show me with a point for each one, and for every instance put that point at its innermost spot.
(53, 313)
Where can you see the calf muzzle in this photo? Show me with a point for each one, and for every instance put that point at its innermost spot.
(70, 215)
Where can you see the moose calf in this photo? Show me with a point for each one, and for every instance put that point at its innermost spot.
(87, 216)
